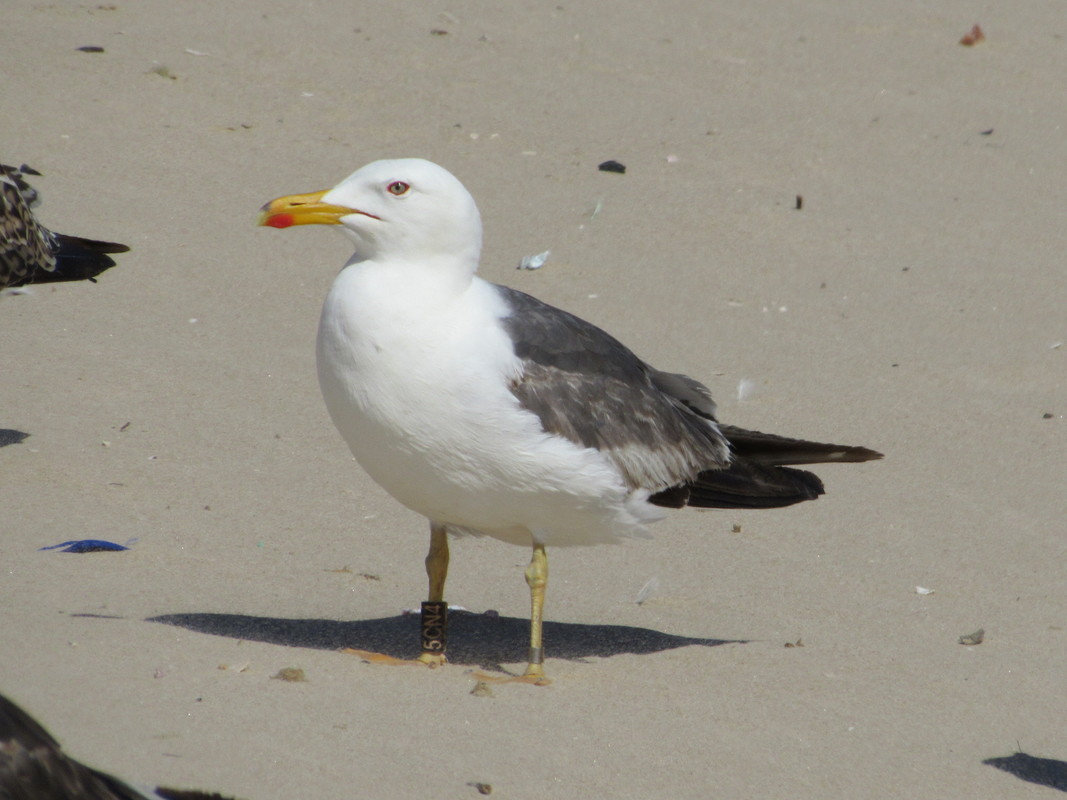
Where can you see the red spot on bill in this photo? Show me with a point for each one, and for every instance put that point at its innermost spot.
(279, 220)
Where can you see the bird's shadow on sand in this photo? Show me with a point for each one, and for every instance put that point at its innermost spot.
(482, 640)
(1043, 771)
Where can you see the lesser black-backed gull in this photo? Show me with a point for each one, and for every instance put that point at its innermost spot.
(490, 412)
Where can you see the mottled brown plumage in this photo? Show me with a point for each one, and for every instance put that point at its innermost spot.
(34, 767)
(29, 252)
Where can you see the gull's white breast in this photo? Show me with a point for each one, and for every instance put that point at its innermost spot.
(415, 372)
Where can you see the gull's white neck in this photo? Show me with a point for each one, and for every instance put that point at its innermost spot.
(399, 285)
(397, 308)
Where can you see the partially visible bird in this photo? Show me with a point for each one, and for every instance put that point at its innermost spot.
(34, 767)
(29, 252)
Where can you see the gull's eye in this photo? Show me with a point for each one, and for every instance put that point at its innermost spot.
(398, 188)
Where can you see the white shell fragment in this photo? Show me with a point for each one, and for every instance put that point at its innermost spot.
(534, 262)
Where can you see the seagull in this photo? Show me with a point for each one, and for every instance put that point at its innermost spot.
(34, 767)
(492, 413)
(29, 252)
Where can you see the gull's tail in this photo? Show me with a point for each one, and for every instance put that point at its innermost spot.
(758, 475)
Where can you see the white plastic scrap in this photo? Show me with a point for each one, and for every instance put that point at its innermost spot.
(650, 586)
(534, 262)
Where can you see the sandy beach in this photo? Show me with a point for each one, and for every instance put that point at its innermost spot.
(914, 303)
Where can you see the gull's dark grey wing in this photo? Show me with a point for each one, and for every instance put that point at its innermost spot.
(692, 394)
(29, 252)
(586, 386)
(658, 428)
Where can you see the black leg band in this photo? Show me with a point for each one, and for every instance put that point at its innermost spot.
(434, 626)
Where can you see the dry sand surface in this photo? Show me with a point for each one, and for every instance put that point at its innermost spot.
(915, 304)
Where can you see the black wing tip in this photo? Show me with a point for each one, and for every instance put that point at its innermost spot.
(189, 794)
(78, 244)
(671, 497)
(855, 455)
(110, 247)
(743, 485)
(757, 484)
(79, 259)
(775, 450)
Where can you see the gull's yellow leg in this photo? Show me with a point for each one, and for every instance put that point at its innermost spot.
(437, 562)
(435, 611)
(536, 579)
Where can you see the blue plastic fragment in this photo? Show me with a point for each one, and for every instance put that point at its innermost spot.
(84, 546)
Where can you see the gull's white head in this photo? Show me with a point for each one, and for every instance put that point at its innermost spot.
(405, 210)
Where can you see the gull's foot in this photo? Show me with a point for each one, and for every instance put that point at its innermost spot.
(536, 678)
(431, 660)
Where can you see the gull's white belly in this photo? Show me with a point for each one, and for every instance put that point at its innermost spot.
(419, 392)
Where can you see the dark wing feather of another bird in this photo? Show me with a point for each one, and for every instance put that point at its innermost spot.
(30, 253)
(34, 767)
(79, 259)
